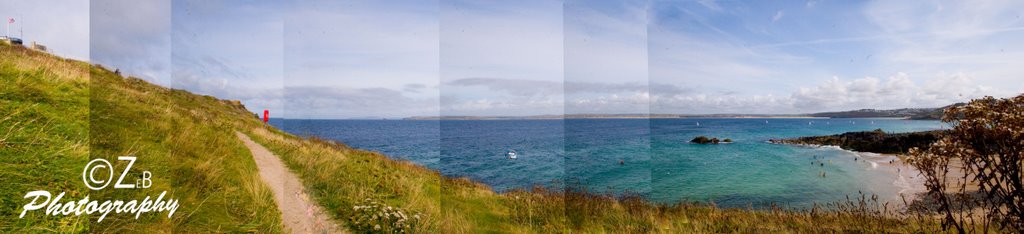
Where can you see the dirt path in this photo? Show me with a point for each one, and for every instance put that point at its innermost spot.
(299, 212)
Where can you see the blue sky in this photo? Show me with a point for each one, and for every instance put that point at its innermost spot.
(793, 57)
(370, 59)
(229, 49)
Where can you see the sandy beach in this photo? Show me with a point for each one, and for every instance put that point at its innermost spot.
(904, 175)
(907, 177)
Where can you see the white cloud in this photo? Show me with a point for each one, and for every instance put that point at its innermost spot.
(868, 92)
(342, 102)
(978, 38)
(835, 94)
(811, 3)
(615, 103)
(778, 16)
(897, 91)
(940, 53)
(705, 103)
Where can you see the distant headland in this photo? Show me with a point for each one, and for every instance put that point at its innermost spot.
(876, 141)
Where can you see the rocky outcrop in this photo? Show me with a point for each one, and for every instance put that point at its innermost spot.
(706, 140)
(876, 141)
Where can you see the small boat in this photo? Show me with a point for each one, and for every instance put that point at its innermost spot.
(511, 154)
(698, 123)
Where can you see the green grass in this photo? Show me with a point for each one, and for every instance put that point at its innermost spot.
(59, 114)
(44, 128)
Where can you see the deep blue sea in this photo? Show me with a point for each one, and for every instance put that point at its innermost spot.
(650, 157)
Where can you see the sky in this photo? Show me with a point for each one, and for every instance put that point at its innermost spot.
(501, 58)
(63, 26)
(229, 49)
(130, 36)
(799, 57)
(605, 58)
(393, 59)
(361, 59)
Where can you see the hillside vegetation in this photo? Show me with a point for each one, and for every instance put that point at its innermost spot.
(57, 114)
(44, 130)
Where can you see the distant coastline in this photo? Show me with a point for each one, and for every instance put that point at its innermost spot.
(902, 113)
(905, 113)
(612, 116)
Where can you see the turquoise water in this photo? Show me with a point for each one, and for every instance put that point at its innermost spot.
(649, 157)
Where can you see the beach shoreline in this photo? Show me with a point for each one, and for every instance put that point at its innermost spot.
(902, 174)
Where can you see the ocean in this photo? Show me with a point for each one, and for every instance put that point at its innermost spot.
(648, 157)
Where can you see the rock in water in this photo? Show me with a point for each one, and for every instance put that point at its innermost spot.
(706, 140)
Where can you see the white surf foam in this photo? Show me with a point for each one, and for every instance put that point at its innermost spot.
(902, 182)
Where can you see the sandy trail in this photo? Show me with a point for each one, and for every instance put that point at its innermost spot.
(299, 213)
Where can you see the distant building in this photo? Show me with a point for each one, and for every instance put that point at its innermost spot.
(11, 40)
(39, 47)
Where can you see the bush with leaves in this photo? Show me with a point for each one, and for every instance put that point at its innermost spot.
(375, 217)
(983, 152)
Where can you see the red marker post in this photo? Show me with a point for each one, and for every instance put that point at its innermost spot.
(266, 115)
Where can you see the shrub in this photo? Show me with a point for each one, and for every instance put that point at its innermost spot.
(375, 217)
(985, 147)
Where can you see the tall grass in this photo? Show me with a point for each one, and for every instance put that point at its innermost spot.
(58, 114)
(43, 135)
(187, 142)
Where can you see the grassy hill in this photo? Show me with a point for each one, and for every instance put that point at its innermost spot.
(58, 114)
